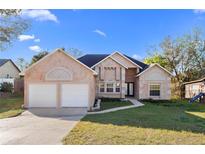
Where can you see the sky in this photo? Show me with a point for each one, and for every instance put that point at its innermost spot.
(131, 32)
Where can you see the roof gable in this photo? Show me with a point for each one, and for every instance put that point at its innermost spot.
(4, 61)
(124, 60)
(113, 60)
(92, 60)
(56, 51)
(151, 66)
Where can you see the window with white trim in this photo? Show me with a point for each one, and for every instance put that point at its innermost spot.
(154, 90)
(102, 87)
(117, 87)
(110, 87)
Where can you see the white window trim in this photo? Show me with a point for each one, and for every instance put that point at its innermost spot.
(100, 87)
(116, 87)
(159, 89)
(112, 87)
(105, 87)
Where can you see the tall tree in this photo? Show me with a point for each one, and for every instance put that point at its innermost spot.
(196, 52)
(9, 12)
(157, 58)
(22, 64)
(11, 26)
(38, 56)
(184, 56)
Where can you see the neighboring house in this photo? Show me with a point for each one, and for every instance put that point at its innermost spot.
(193, 88)
(8, 69)
(59, 80)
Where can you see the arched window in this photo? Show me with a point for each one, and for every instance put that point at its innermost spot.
(59, 73)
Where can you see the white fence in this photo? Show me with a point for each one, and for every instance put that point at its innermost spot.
(9, 80)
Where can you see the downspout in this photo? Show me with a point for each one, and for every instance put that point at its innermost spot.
(121, 82)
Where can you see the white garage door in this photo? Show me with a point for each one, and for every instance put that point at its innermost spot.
(42, 95)
(74, 95)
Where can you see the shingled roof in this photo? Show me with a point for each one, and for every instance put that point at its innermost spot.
(195, 81)
(143, 65)
(92, 59)
(3, 61)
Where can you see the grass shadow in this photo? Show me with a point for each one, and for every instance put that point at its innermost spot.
(171, 116)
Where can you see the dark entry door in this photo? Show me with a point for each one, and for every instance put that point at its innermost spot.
(129, 89)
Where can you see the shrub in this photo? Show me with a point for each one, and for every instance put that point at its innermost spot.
(105, 99)
(6, 87)
(172, 102)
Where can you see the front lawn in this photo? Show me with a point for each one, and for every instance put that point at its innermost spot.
(109, 104)
(153, 123)
(10, 107)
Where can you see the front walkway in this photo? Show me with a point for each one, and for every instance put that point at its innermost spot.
(135, 103)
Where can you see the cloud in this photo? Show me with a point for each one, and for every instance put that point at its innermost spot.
(100, 32)
(40, 15)
(37, 40)
(28, 37)
(199, 11)
(25, 37)
(35, 48)
(138, 57)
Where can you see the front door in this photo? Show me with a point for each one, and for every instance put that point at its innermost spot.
(129, 89)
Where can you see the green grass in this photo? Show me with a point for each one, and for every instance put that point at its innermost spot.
(112, 104)
(154, 123)
(10, 107)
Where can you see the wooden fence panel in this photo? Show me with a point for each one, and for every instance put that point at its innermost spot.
(19, 85)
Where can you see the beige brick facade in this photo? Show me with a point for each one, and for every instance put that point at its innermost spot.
(80, 75)
(154, 75)
(108, 78)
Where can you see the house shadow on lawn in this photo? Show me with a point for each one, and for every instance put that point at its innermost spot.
(177, 117)
(62, 113)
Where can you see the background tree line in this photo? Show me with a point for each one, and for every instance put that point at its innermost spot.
(184, 56)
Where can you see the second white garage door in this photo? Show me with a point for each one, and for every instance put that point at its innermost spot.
(74, 95)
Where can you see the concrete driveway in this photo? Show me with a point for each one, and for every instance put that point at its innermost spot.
(31, 129)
